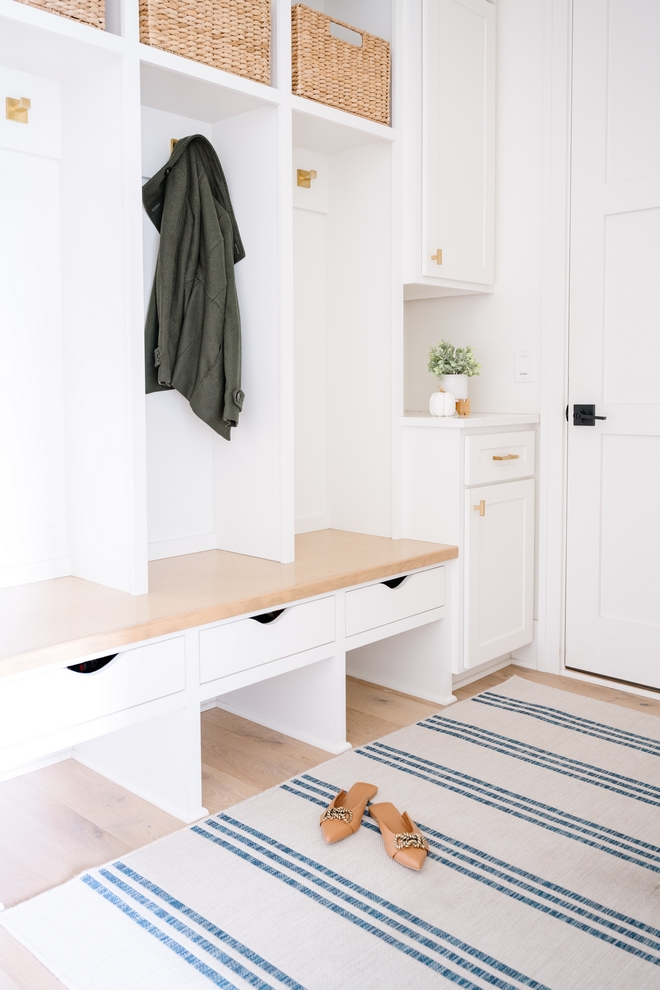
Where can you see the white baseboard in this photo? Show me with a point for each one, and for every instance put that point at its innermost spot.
(182, 545)
(285, 729)
(45, 761)
(41, 570)
(474, 673)
(401, 685)
(528, 664)
(310, 524)
(529, 655)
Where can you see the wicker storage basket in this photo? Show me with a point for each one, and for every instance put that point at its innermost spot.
(330, 70)
(233, 35)
(90, 12)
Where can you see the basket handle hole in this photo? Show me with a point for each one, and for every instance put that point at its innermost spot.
(345, 34)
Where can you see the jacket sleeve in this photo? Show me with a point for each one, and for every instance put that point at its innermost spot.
(231, 334)
(233, 398)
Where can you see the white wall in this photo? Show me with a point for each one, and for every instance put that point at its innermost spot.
(251, 472)
(342, 313)
(310, 370)
(180, 502)
(360, 340)
(204, 492)
(510, 318)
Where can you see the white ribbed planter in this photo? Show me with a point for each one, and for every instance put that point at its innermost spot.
(456, 384)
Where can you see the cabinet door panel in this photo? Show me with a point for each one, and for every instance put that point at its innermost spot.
(459, 107)
(499, 569)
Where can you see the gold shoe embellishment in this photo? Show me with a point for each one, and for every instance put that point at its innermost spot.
(338, 814)
(410, 840)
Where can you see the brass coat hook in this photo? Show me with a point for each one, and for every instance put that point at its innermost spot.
(17, 110)
(173, 141)
(304, 177)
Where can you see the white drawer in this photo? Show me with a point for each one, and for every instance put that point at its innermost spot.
(247, 643)
(378, 604)
(499, 457)
(47, 702)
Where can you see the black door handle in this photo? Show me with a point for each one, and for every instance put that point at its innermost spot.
(585, 415)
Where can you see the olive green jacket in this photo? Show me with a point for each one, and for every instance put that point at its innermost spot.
(193, 330)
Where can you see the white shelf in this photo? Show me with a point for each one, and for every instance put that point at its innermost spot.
(210, 100)
(327, 130)
(468, 422)
(180, 85)
(45, 44)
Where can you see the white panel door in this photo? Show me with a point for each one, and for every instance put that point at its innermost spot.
(613, 574)
(499, 569)
(459, 139)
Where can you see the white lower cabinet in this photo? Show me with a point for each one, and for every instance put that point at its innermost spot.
(385, 602)
(499, 569)
(236, 646)
(49, 701)
(471, 483)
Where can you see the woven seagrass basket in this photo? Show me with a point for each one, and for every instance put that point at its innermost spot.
(233, 35)
(333, 71)
(90, 12)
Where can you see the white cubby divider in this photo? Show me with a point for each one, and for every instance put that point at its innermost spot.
(100, 477)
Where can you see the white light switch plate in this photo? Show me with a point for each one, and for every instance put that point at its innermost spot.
(523, 366)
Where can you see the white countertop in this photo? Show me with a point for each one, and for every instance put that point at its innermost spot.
(477, 419)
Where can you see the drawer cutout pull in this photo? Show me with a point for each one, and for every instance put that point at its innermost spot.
(394, 582)
(91, 666)
(506, 457)
(266, 617)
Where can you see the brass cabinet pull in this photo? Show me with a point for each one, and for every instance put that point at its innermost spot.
(506, 457)
(437, 257)
(481, 508)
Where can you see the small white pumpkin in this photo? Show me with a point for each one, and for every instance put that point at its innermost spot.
(442, 404)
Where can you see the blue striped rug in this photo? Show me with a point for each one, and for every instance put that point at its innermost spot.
(542, 812)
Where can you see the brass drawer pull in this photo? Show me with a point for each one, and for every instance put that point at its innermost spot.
(481, 508)
(506, 457)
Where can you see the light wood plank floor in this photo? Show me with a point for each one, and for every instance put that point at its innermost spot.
(63, 819)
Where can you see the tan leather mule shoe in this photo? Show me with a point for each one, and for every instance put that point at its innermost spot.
(403, 840)
(343, 815)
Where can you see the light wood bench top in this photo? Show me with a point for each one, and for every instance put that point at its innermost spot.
(67, 618)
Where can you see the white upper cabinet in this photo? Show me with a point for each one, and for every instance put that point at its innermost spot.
(450, 160)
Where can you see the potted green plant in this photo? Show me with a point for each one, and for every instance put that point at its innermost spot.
(452, 366)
